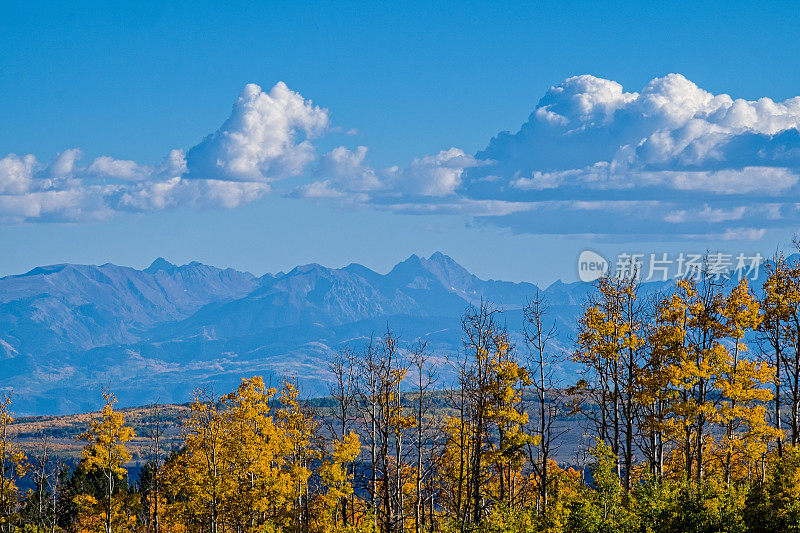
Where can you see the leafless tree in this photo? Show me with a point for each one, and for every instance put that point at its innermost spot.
(424, 382)
(343, 391)
(540, 331)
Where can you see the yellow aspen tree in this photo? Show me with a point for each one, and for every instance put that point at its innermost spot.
(781, 329)
(257, 488)
(743, 385)
(690, 338)
(337, 478)
(490, 422)
(452, 462)
(654, 393)
(506, 383)
(481, 333)
(105, 452)
(243, 467)
(695, 326)
(663, 383)
(13, 467)
(196, 477)
(344, 391)
(298, 426)
(611, 341)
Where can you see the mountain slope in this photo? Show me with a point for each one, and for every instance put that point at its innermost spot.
(72, 307)
(155, 334)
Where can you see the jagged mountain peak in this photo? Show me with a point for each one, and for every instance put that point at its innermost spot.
(160, 264)
(408, 270)
(162, 323)
(412, 259)
(443, 259)
(449, 272)
(310, 268)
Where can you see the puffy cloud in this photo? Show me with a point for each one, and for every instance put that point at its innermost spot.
(174, 164)
(16, 173)
(347, 175)
(348, 169)
(318, 189)
(266, 137)
(670, 161)
(108, 167)
(64, 163)
(434, 175)
(582, 99)
(699, 157)
(672, 124)
(178, 191)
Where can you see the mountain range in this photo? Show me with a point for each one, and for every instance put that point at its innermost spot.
(155, 334)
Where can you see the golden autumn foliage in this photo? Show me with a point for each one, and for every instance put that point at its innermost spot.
(706, 384)
(12, 468)
(681, 432)
(106, 453)
(242, 466)
(335, 475)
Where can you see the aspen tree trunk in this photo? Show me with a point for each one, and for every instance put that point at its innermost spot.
(729, 429)
(476, 465)
(699, 440)
(796, 388)
(108, 505)
(687, 444)
(617, 425)
(373, 490)
(398, 485)
(630, 383)
(628, 450)
(419, 503)
(660, 441)
(778, 362)
(418, 513)
(3, 453)
(387, 496)
(501, 468)
(543, 476)
(461, 463)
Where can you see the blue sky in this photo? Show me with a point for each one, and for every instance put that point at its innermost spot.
(424, 89)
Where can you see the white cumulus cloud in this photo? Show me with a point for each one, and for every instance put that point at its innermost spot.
(265, 138)
(669, 160)
(347, 175)
(698, 156)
